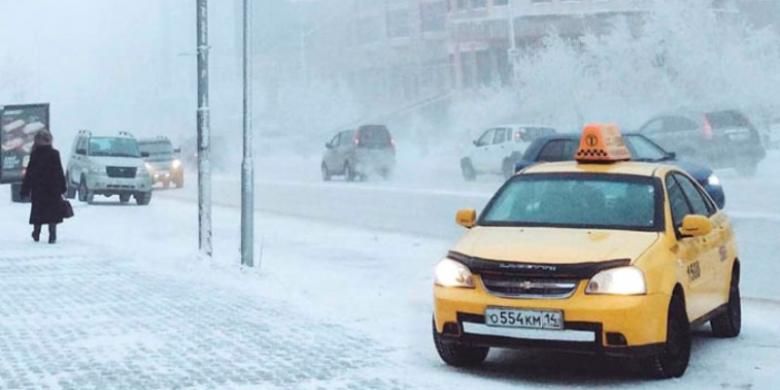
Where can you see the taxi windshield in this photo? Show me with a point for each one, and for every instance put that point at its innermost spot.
(587, 201)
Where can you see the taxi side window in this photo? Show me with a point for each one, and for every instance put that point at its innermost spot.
(553, 151)
(697, 201)
(677, 201)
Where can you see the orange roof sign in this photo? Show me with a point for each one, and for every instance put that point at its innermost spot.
(602, 143)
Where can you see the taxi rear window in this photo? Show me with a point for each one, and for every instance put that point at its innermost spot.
(587, 201)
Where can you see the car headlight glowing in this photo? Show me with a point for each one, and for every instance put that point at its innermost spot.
(713, 180)
(618, 281)
(148, 166)
(176, 164)
(450, 273)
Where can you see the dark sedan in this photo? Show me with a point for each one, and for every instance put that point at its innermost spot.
(562, 147)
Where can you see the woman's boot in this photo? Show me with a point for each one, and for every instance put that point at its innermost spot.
(36, 234)
(52, 233)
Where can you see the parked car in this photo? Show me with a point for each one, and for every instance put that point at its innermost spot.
(498, 148)
(357, 154)
(163, 162)
(722, 139)
(562, 147)
(108, 166)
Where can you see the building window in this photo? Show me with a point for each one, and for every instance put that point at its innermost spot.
(500, 2)
(398, 23)
(434, 16)
(478, 3)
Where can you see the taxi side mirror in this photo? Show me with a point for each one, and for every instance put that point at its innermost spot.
(466, 218)
(695, 226)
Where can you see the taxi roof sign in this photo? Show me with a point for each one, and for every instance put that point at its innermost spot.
(602, 142)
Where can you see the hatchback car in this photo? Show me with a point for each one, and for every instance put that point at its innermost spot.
(722, 139)
(602, 256)
(360, 153)
(163, 161)
(562, 147)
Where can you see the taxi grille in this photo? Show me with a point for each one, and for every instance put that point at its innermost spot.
(121, 172)
(523, 287)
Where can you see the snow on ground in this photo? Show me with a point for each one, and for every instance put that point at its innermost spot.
(340, 300)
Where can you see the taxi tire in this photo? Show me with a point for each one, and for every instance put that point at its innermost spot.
(729, 324)
(458, 355)
(672, 361)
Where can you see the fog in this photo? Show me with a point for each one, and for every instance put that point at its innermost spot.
(110, 66)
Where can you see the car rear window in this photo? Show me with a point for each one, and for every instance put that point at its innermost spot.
(724, 119)
(374, 136)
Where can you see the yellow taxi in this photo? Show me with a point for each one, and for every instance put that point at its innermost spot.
(601, 255)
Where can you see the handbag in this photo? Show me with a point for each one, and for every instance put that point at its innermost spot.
(67, 209)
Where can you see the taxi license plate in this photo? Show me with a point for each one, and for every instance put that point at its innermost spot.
(515, 318)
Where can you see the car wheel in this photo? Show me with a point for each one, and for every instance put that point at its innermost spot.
(468, 169)
(386, 173)
(325, 173)
(166, 184)
(673, 359)
(84, 194)
(143, 198)
(729, 324)
(179, 182)
(349, 172)
(458, 355)
(124, 198)
(70, 192)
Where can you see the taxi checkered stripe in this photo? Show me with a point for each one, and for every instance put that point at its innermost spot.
(592, 153)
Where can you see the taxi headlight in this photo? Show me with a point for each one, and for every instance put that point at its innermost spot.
(450, 273)
(176, 164)
(618, 281)
(713, 180)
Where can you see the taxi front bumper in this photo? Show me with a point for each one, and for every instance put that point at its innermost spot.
(601, 324)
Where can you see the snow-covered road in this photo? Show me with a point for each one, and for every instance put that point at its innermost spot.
(357, 268)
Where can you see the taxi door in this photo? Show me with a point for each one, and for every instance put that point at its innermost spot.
(713, 244)
(694, 254)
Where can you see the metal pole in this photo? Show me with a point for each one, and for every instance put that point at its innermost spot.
(512, 40)
(247, 164)
(304, 71)
(204, 133)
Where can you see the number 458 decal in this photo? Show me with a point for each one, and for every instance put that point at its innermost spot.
(694, 271)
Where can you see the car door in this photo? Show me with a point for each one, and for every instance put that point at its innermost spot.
(681, 135)
(712, 244)
(79, 159)
(499, 149)
(481, 151)
(691, 253)
(330, 154)
(345, 148)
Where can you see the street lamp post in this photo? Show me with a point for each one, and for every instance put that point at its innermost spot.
(204, 132)
(247, 164)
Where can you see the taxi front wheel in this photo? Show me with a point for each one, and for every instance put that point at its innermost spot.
(673, 359)
(459, 355)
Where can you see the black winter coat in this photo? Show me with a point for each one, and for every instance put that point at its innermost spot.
(45, 183)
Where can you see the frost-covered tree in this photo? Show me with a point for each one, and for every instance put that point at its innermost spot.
(683, 54)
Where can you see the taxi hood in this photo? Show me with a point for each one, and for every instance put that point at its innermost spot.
(553, 245)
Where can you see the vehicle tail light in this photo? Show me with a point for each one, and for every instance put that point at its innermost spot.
(706, 129)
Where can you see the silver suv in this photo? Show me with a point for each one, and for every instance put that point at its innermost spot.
(108, 166)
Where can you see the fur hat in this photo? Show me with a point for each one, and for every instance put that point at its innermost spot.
(43, 138)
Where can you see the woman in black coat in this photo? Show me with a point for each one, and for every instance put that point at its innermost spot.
(45, 183)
